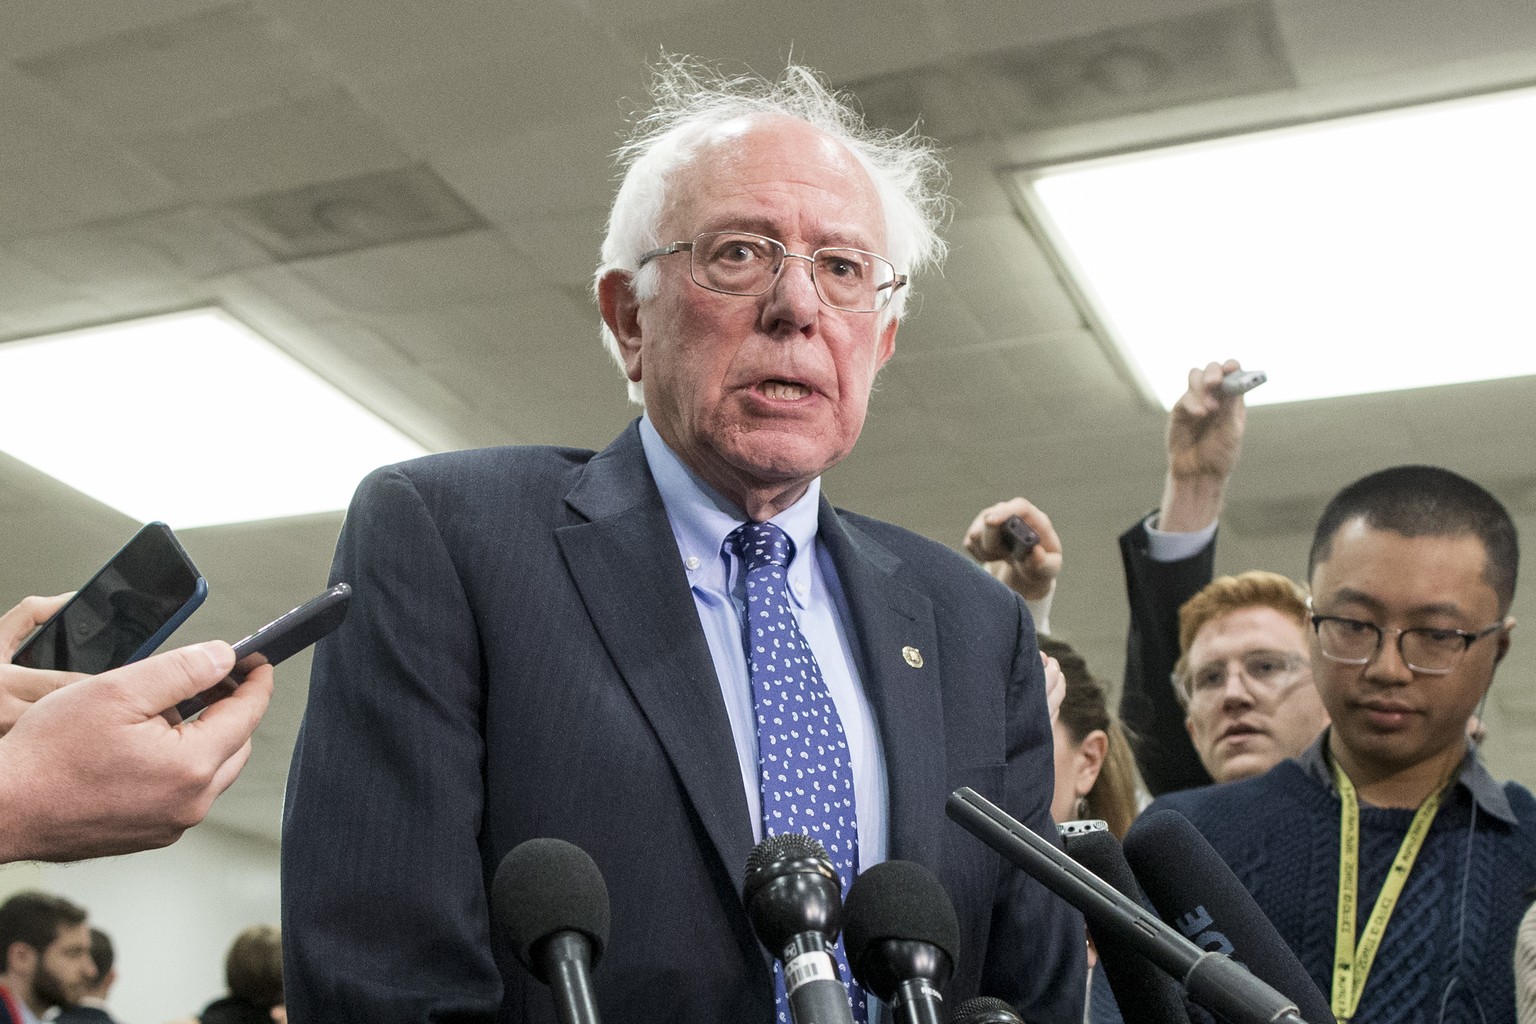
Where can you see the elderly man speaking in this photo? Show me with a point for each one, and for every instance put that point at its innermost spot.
(550, 642)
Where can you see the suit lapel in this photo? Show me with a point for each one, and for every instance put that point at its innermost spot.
(896, 644)
(625, 563)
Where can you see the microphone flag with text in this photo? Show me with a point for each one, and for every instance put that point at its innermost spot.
(1212, 980)
(1196, 892)
(1144, 993)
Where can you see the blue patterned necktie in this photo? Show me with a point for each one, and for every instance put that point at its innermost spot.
(806, 774)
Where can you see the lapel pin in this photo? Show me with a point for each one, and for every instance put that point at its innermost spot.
(912, 656)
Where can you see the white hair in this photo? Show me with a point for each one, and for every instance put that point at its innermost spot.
(690, 102)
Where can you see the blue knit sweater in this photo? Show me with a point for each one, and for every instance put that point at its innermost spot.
(1279, 832)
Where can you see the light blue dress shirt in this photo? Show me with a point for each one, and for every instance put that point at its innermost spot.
(701, 520)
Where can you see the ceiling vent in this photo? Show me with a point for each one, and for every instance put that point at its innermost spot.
(1228, 51)
(365, 210)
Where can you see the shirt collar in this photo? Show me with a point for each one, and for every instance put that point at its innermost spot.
(701, 518)
(24, 1012)
(1487, 794)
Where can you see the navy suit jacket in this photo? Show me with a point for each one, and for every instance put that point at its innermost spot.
(84, 1015)
(523, 658)
(1149, 707)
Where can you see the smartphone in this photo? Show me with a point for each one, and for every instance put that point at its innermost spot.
(1018, 536)
(124, 612)
(1239, 381)
(278, 640)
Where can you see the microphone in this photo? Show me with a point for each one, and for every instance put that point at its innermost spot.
(901, 935)
(1143, 993)
(985, 1010)
(550, 898)
(1195, 891)
(1214, 981)
(794, 901)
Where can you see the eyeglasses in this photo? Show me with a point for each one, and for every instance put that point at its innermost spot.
(1426, 649)
(1268, 672)
(736, 263)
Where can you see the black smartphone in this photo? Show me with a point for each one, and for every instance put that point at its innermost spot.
(124, 612)
(278, 640)
(1018, 536)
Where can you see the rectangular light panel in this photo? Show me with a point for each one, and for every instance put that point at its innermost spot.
(190, 418)
(1366, 254)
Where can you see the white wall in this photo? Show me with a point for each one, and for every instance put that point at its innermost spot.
(171, 913)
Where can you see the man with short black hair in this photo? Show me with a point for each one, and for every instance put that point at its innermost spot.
(1413, 572)
(46, 947)
(91, 1008)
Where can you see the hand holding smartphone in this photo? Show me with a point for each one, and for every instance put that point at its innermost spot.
(278, 640)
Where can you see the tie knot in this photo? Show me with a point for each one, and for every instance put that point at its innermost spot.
(760, 544)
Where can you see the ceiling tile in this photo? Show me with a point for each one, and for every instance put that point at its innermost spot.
(307, 141)
(177, 73)
(75, 183)
(449, 107)
(564, 247)
(998, 268)
(429, 273)
(1331, 41)
(543, 172)
(142, 254)
(828, 37)
(517, 326)
(37, 28)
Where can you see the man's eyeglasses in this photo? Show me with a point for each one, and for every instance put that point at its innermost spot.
(1428, 649)
(1267, 672)
(737, 263)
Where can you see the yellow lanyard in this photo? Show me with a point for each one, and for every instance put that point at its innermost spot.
(1351, 964)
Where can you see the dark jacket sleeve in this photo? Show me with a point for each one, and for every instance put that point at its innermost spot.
(1037, 951)
(384, 909)
(1149, 708)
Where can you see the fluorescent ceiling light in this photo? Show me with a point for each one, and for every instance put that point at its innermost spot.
(189, 418)
(1366, 254)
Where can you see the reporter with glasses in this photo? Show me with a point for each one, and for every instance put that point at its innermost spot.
(1385, 854)
(1244, 675)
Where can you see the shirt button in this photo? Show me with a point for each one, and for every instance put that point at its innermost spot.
(692, 562)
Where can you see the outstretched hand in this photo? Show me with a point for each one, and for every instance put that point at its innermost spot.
(1205, 441)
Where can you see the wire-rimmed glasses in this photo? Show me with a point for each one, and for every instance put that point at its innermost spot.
(741, 263)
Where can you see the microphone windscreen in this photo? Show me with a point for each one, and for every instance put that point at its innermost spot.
(898, 899)
(984, 1010)
(1195, 892)
(545, 886)
(785, 846)
(1144, 993)
(785, 853)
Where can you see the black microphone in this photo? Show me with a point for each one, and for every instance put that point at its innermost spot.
(1142, 991)
(902, 938)
(1212, 980)
(795, 903)
(1196, 892)
(550, 898)
(985, 1010)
